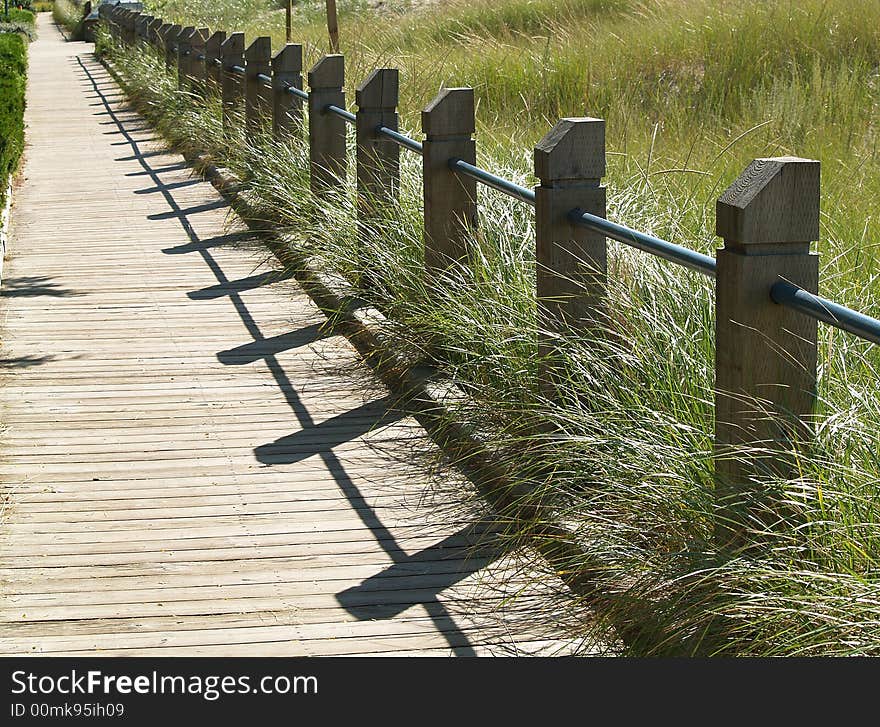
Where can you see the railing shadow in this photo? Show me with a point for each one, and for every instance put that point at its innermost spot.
(329, 433)
(34, 286)
(249, 353)
(25, 362)
(431, 570)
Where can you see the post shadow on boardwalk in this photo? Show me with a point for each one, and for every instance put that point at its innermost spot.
(232, 289)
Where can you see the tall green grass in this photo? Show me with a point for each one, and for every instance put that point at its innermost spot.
(622, 453)
(69, 16)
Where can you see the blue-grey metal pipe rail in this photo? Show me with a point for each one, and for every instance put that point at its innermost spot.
(237, 69)
(200, 57)
(298, 92)
(494, 181)
(400, 139)
(341, 113)
(264, 78)
(827, 311)
(648, 243)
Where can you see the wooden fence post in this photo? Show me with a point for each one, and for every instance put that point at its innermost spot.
(259, 60)
(213, 67)
(159, 38)
(150, 31)
(571, 261)
(184, 55)
(153, 32)
(171, 34)
(196, 66)
(123, 25)
(130, 22)
(766, 358)
(231, 54)
(286, 108)
(132, 26)
(378, 158)
(450, 200)
(326, 131)
(116, 15)
(110, 16)
(140, 28)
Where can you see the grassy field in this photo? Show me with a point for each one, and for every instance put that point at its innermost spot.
(691, 90)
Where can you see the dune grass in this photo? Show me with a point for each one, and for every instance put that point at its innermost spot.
(69, 16)
(623, 452)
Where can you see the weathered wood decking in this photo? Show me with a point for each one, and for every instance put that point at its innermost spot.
(189, 464)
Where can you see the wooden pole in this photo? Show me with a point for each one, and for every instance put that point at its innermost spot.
(450, 200)
(231, 54)
(766, 358)
(286, 108)
(378, 158)
(214, 70)
(196, 66)
(153, 32)
(326, 131)
(288, 21)
(184, 55)
(571, 261)
(258, 59)
(333, 26)
(170, 40)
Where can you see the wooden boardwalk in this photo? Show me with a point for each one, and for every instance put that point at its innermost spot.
(190, 464)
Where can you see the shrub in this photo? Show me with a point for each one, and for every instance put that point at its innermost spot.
(13, 66)
(17, 15)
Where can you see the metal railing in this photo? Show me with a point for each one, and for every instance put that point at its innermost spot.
(341, 113)
(298, 92)
(826, 311)
(782, 293)
(647, 243)
(400, 139)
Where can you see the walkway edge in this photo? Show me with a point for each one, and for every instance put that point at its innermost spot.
(5, 219)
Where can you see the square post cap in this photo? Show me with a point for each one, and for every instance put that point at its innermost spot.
(451, 113)
(574, 149)
(774, 201)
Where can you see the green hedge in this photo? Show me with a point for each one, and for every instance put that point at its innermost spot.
(13, 66)
(19, 16)
(18, 21)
